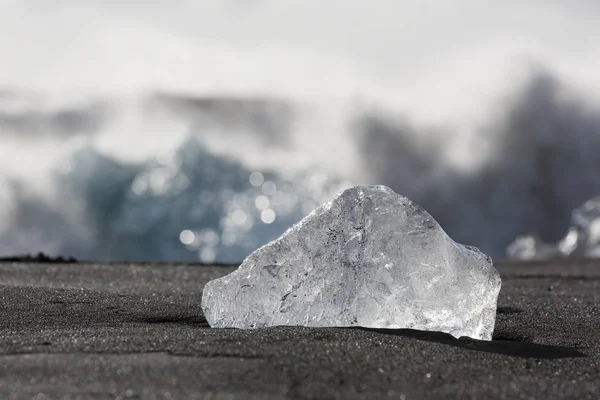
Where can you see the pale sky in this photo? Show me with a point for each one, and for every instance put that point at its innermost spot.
(407, 51)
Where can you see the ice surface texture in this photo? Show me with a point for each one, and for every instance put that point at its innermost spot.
(369, 258)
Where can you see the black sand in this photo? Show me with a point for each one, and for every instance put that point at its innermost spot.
(119, 331)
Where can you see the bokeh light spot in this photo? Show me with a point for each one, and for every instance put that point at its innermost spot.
(239, 217)
(208, 254)
(256, 179)
(187, 237)
(269, 188)
(268, 216)
(262, 202)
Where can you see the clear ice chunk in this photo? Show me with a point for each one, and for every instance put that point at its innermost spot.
(369, 258)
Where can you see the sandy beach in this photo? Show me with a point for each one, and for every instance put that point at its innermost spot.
(115, 331)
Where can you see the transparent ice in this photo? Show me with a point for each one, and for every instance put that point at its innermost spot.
(368, 258)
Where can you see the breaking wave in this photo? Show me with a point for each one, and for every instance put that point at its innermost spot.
(214, 178)
(168, 134)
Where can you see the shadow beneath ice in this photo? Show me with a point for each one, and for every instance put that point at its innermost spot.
(193, 320)
(513, 347)
(509, 310)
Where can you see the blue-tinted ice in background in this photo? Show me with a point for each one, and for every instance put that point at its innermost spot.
(189, 205)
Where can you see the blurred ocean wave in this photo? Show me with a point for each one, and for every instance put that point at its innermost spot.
(199, 192)
(202, 130)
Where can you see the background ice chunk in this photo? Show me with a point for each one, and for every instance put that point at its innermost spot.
(531, 247)
(369, 258)
(582, 238)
